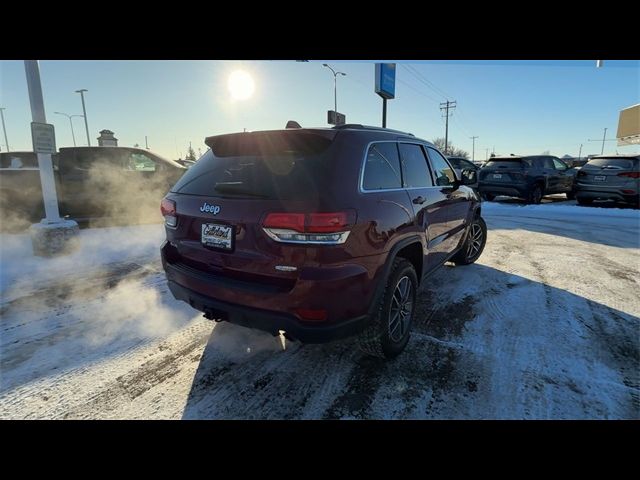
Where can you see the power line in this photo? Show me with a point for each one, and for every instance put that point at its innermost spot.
(604, 136)
(418, 77)
(418, 91)
(427, 82)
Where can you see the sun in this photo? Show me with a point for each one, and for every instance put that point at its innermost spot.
(240, 85)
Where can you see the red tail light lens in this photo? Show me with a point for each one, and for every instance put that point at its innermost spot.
(287, 221)
(326, 222)
(630, 174)
(168, 210)
(321, 228)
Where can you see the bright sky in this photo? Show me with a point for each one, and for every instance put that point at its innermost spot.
(522, 107)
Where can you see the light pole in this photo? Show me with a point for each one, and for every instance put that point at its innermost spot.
(335, 86)
(4, 129)
(70, 124)
(84, 111)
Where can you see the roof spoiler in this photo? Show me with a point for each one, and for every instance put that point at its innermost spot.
(293, 124)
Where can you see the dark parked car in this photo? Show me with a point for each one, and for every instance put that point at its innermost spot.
(119, 183)
(460, 163)
(610, 177)
(321, 233)
(527, 177)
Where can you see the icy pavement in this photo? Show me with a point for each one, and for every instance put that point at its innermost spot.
(545, 325)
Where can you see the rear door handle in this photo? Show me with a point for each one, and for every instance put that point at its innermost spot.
(419, 200)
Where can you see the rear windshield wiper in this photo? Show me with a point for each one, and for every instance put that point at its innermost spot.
(237, 188)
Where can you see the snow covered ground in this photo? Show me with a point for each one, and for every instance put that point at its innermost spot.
(545, 325)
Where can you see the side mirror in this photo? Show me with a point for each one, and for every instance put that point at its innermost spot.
(469, 177)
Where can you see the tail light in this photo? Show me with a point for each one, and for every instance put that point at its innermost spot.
(630, 174)
(168, 210)
(319, 228)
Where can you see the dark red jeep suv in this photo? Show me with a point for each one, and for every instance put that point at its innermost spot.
(321, 233)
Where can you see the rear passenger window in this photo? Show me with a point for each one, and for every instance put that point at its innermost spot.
(548, 163)
(441, 169)
(415, 170)
(382, 168)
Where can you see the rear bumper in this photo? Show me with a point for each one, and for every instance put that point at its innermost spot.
(344, 291)
(268, 321)
(606, 194)
(518, 190)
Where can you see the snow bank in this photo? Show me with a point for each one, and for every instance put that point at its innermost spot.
(564, 209)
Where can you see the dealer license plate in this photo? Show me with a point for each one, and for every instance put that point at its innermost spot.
(217, 236)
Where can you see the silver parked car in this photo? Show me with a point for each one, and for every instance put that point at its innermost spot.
(609, 177)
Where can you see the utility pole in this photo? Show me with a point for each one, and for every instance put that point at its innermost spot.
(473, 148)
(84, 111)
(604, 139)
(446, 106)
(146, 143)
(4, 129)
(580, 152)
(487, 154)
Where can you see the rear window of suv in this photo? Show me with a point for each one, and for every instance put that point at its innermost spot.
(382, 167)
(274, 165)
(507, 163)
(617, 163)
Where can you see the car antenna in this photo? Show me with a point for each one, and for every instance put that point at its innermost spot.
(293, 124)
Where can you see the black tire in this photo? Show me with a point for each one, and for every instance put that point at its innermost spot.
(474, 243)
(535, 195)
(489, 197)
(381, 338)
(584, 201)
(571, 195)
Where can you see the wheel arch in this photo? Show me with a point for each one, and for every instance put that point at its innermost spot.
(410, 248)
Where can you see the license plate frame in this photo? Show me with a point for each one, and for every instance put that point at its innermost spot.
(219, 236)
(599, 178)
(497, 176)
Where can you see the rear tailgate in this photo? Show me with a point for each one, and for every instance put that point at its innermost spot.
(614, 173)
(503, 171)
(222, 201)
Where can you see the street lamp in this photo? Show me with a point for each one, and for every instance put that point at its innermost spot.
(71, 124)
(335, 86)
(4, 129)
(84, 111)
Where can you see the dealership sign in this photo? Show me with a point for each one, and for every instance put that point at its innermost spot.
(386, 80)
(629, 126)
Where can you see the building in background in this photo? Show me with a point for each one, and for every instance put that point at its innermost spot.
(106, 139)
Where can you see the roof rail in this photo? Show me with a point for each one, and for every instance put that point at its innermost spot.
(356, 126)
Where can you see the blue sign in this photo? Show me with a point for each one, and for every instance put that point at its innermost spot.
(386, 80)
